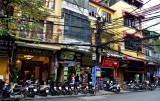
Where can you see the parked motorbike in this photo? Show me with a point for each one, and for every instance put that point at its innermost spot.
(53, 89)
(41, 90)
(17, 92)
(133, 85)
(111, 86)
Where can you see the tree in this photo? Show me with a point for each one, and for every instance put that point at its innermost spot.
(21, 14)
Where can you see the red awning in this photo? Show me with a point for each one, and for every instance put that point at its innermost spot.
(132, 58)
(136, 16)
(134, 35)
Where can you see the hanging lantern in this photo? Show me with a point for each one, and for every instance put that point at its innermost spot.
(132, 1)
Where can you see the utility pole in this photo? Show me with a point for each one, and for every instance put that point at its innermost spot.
(99, 25)
(98, 38)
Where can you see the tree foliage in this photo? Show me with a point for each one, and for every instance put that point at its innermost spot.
(21, 14)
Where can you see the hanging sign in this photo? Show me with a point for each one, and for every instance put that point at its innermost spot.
(93, 75)
(65, 71)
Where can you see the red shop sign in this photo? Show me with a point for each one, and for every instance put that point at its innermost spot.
(109, 62)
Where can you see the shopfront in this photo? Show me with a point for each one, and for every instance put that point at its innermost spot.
(110, 67)
(153, 72)
(87, 65)
(6, 50)
(34, 63)
(134, 70)
(69, 64)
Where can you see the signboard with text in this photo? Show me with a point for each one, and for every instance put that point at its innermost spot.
(93, 75)
(110, 62)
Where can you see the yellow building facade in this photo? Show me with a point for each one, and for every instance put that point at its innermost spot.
(131, 28)
(35, 55)
(119, 26)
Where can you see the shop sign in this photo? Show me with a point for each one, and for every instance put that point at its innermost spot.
(65, 71)
(98, 73)
(109, 62)
(87, 60)
(93, 75)
(65, 68)
(32, 51)
(70, 56)
(78, 69)
(3, 53)
(5, 45)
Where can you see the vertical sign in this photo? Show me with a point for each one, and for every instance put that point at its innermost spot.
(93, 75)
(65, 73)
(78, 70)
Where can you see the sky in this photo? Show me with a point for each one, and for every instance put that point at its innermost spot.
(151, 3)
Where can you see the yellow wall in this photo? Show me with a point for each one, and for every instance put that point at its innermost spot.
(121, 5)
(3, 68)
(56, 18)
(93, 20)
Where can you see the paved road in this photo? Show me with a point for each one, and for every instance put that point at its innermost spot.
(135, 96)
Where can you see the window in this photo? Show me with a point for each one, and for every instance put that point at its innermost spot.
(49, 30)
(80, 32)
(107, 16)
(92, 11)
(80, 3)
(50, 4)
(132, 43)
(129, 21)
(39, 30)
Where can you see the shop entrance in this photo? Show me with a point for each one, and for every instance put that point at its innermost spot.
(32, 69)
(107, 73)
(131, 76)
(36, 68)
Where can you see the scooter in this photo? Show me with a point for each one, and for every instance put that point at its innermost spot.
(114, 87)
(17, 92)
(41, 90)
(53, 89)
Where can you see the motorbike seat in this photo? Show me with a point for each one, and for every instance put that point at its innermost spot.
(17, 89)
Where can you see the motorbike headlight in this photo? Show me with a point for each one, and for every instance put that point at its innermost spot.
(35, 90)
(47, 91)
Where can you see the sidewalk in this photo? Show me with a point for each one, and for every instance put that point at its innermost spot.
(101, 92)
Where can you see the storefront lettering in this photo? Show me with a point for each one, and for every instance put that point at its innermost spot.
(3, 53)
(23, 50)
(69, 55)
(109, 62)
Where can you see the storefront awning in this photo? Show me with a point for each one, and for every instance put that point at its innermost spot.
(38, 46)
(132, 58)
(130, 34)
